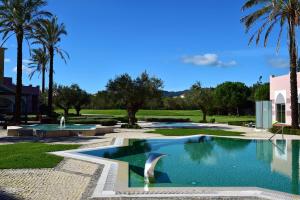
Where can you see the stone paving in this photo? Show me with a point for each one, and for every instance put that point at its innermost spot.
(67, 181)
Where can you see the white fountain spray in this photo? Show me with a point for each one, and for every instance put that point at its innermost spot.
(62, 122)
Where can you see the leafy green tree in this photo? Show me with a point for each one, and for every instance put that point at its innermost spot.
(262, 92)
(17, 18)
(39, 61)
(133, 93)
(102, 100)
(231, 96)
(63, 98)
(174, 103)
(80, 98)
(48, 33)
(201, 98)
(285, 13)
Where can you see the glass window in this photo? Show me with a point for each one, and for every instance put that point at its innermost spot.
(280, 113)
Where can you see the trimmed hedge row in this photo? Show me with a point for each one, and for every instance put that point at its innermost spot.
(135, 126)
(167, 119)
(240, 123)
(287, 130)
(103, 122)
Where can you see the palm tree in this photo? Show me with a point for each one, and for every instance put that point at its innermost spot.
(285, 13)
(48, 33)
(17, 18)
(39, 61)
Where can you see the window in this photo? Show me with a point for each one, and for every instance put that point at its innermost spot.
(280, 113)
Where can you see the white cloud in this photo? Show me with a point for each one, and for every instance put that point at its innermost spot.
(7, 60)
(208, 59)
(25, 69)
(278, 62)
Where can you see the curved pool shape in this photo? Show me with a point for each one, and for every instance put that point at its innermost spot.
(212, 162)
(174, 125)
(56, 127)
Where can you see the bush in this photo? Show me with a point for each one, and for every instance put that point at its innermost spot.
(103, 122)
(167, 119)
(108, 122)
(287, 130)
(135, 126)
(212, 120)
(240, 123)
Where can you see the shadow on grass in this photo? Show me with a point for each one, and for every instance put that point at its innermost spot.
(73, 140)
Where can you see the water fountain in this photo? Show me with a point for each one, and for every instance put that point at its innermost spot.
(151, 162)
(62, 122)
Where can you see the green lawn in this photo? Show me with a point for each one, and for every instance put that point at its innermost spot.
(186, 132)
(31, 155)
(194, 115)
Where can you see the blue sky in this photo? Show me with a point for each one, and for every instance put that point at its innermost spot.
(179, 41)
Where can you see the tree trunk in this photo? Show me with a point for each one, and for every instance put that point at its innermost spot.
(50, 91)
(293, 73)
(43, 79)
(18, 97)
(66, 111)
(204, 116)
(131, 117)
(237, 111)
(77, 111)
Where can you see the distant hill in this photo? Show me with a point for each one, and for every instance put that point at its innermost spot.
(173, 93)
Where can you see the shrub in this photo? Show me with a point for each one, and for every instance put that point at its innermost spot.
(167, 119)
(108, 122)
(103, 122)
(135, 126)
(240, 123)
(212, 120)
(287, 130)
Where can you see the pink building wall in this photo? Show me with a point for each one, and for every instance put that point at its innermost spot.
(281, 85)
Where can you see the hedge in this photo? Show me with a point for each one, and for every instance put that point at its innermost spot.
(287, 130)
(103, 122)
(167, 119)
(240, 123)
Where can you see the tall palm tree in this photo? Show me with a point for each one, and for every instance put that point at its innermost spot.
(48, 33)
(17, 18)
(284, 13)
(39, 61)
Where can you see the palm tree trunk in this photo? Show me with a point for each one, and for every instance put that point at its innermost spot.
(18, 97)
(293, 74)
(50, 91)
(43, 79)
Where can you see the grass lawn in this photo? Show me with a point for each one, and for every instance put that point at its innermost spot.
(31, 155)
(186, 132)
(194, 115)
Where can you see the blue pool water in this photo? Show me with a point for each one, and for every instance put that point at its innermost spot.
(212, 162)
(55, 127)
(174, 125)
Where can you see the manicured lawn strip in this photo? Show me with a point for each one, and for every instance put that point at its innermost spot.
(186, 132)
(31, 155)
(194, 115)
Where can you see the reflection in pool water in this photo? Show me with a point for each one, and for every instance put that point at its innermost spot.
(213, 162)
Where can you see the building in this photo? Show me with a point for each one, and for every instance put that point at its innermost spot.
(30, 94)
(280, 96)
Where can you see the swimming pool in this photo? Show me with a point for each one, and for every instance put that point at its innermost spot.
(203, 161)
